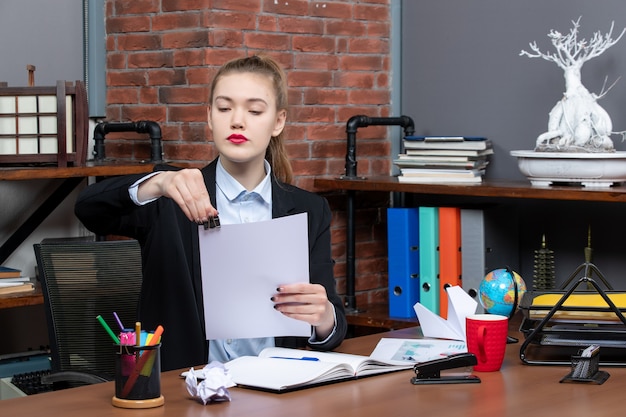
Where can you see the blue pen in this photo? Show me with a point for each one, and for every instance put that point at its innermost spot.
(304, 358)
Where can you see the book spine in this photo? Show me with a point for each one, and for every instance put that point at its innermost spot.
(449, 254)
(403, 260)
(429, 257)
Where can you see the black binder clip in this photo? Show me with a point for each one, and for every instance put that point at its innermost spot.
(430, 372)
(212, 223)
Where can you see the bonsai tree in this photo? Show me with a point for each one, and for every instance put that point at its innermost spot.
(577, 123)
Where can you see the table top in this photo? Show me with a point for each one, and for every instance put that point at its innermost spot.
(516, 390)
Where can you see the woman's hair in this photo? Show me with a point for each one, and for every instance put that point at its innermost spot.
(276, 153)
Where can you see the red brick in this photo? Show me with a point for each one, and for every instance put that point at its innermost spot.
(123, 7)
(237, 21)
(122, 95)
(194, 114)
(182, 5)
(309, 78)
(239, 5)
(346, 28)
(176, 21)
(371, 12)
(323, 62)
(183, 95)
(361, 63)
(136, 113)
(313, 43)
(290, 7)
(151, 59)
(300, 25)
(139, 42)
(266, 41)
(128, 24)
(188, 57)
(334, 10)
(227, 38)
(184, 39)
(167, 77)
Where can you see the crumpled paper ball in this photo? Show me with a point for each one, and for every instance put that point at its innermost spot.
(213, 384)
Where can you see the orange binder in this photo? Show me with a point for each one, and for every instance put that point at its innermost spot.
(449, 254)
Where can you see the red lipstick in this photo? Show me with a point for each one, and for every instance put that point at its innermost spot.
(237, 139)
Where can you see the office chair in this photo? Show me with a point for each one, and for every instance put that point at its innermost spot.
(81, 279)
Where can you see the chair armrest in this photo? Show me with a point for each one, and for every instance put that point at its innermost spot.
(73, 376)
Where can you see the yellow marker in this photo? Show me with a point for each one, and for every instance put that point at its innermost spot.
(137, 333)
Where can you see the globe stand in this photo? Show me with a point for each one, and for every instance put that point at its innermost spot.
(510, 339)
(514, 304)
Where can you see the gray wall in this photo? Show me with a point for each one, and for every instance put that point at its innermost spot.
(44, 33)
(49, 35)
(462, 73)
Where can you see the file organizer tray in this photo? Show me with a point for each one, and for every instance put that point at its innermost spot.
(557, 324)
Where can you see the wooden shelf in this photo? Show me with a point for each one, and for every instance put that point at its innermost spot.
(22, 299)
(488, 189)
(89, 170)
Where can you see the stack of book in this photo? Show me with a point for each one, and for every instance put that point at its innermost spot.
(12, 281)
(443, 159)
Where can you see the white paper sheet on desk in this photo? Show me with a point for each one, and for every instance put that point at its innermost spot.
(460, 305)
(242, 265)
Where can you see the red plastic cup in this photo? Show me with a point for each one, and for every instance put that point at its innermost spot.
(486, 338)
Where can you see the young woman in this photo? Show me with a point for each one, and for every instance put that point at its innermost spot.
(248, 181)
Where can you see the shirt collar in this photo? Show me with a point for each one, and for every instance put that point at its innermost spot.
(231, 188)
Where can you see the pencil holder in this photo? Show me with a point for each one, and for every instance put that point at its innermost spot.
(585, 369)
(138, 376)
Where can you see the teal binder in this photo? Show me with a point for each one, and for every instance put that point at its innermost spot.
(403, 261)
(429, 257)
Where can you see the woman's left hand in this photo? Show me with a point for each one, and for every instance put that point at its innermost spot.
(309, 303)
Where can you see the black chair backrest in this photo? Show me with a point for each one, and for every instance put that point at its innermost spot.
(80, 280)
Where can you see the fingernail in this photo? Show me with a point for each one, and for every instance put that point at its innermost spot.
(273, 298)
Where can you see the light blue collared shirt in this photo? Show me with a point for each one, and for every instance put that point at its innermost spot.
(237, 205)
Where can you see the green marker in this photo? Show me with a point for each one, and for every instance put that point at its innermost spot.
(108, 329)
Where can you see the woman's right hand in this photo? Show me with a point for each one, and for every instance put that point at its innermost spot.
(186, 187)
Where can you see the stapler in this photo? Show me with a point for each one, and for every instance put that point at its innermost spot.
(430, 372)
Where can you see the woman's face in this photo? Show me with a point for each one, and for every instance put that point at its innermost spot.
(243, 116)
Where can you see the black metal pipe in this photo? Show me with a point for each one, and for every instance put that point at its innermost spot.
(143, 126)
(353, 124)
(358, 121)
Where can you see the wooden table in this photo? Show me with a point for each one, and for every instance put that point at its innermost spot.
(517, 390)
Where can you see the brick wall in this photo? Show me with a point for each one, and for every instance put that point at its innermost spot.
(162, 54)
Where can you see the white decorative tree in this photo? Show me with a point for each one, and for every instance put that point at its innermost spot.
(577, 123)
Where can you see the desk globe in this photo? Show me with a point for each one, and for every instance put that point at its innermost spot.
(497, 291)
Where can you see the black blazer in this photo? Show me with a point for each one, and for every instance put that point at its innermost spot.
(171, 293)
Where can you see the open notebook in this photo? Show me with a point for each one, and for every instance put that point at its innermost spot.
(282, 369)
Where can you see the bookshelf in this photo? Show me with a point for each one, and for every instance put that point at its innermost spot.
(486, 193)
(72, 177)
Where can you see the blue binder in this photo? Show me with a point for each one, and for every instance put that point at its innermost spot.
(429, 257)
(403, 260)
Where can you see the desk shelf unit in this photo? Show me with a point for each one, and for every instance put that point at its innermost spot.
(486, 193)
(72, 177)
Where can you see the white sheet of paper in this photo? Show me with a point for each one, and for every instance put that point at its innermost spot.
(460, 305)
(400, 351)
(242, 265)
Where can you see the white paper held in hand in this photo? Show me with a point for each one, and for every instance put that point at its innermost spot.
(242, 265)
(460, 305)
